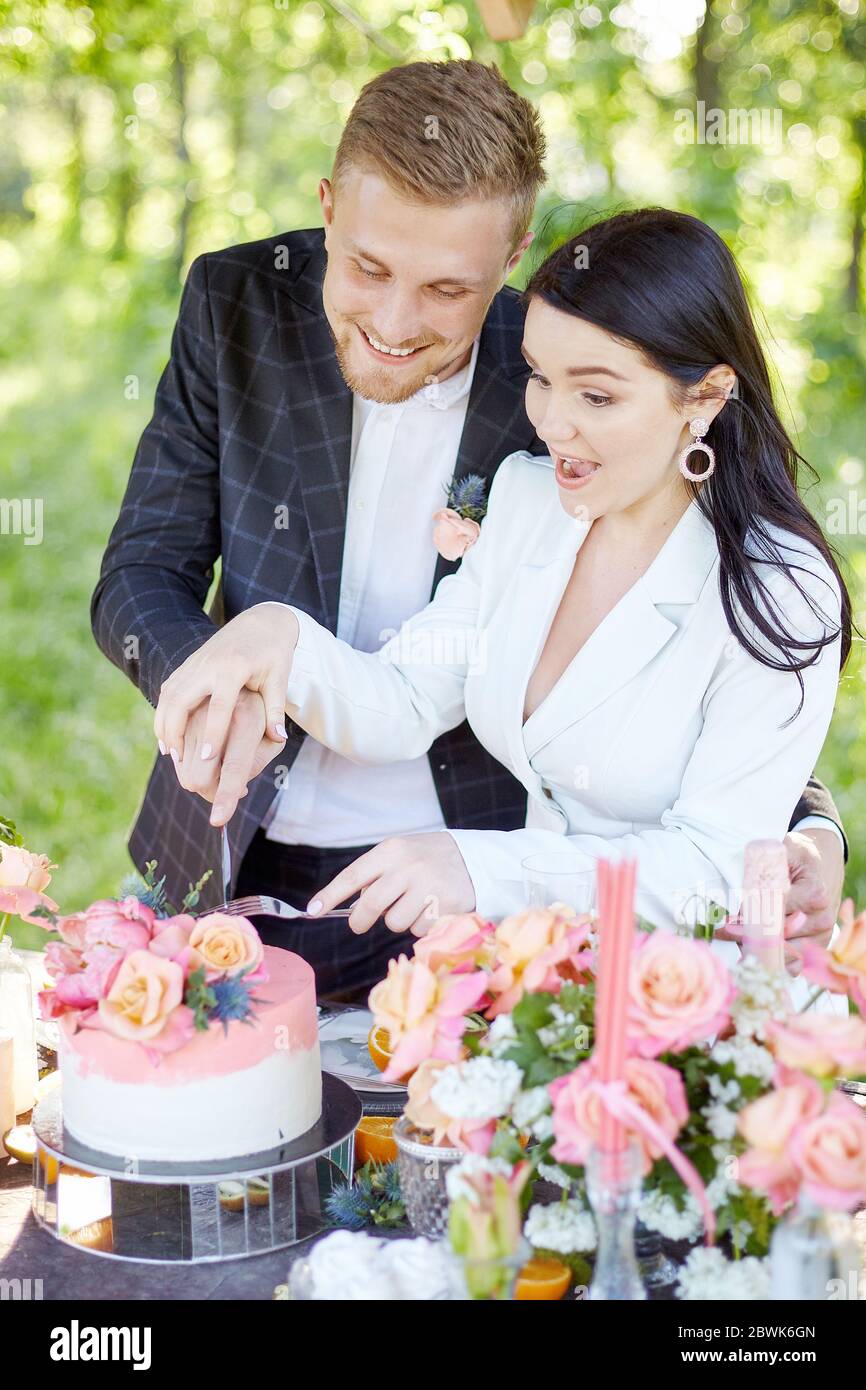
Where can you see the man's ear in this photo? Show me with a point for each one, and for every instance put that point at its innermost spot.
(514, 259)
(326, 199)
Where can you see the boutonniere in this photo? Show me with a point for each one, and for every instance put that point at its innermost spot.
(457, 526)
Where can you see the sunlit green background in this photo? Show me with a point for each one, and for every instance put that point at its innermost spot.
(134, 136)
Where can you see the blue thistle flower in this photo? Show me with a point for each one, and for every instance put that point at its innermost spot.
(148, 891)
(391, 1183)
(234, 1000)
(468, 497)
(349, 1206)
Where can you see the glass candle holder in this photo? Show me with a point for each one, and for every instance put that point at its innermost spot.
(814, 1256)
(558, 878)
(613, 1185)
(423, 1167)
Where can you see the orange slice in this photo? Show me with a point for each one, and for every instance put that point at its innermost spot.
(374, 1138)
(379, 1043)
(20, 1142)
(542, 1279)
(49, 1165)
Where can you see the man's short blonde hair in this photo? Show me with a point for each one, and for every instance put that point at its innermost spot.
(443, 133)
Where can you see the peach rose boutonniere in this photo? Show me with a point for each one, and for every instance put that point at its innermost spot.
(457, 526)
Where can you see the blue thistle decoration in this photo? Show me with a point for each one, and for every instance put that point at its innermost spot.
(149, 891)
(233, 999)
(374, 1199)
(468, 497)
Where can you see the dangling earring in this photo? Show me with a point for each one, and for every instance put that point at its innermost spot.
(698, 428)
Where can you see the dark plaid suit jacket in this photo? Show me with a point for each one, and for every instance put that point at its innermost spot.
(252, 423)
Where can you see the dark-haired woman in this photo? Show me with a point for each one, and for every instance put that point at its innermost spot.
(648, 632)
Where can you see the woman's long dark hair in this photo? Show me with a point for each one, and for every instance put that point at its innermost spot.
(667, 284)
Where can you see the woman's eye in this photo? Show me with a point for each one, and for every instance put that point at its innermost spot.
(536, 376)
(595, 399)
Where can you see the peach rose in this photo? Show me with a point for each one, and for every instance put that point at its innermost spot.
(679, 993)
(841, 968)
(820, 1044)
(145, 993)
(577, 1108)
(453, 534)
(422, 1111)
(767, 1125)
(458, 942)
(829, 1153)
(537, 950)
(227, 945)
(424, 1012)
(21, 869)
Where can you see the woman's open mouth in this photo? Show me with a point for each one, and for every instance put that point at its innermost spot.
(383, 352)
(572, 473)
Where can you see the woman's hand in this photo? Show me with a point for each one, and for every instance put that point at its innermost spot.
(254, 652)
(410, 881)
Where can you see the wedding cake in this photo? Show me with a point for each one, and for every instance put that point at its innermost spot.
(181, 1038)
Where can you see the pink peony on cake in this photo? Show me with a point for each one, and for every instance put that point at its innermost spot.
(181, 1038)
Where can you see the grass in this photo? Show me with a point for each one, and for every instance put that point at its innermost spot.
(77, 739)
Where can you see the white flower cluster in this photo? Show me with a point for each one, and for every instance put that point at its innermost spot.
(721, 1119)
(529, 1107)
(481, 1089)
(561, 1030)
(566, 1227)
(761, 995)
(551, 1172)
(472, 1166)
(349, 1266)
(707, 1276)
(749, 1058)
(500, 1035)
(658, 1212)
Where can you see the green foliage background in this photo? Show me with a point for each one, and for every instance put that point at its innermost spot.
(134, 136)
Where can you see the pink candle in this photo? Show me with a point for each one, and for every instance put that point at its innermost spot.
(765, 886)
(616, 885)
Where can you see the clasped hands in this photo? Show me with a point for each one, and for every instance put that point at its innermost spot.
(221, 717)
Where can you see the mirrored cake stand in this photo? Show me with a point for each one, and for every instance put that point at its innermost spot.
(192, 1212)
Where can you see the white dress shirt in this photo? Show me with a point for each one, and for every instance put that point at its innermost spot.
(402, 464)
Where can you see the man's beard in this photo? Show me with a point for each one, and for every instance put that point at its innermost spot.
(377, 383)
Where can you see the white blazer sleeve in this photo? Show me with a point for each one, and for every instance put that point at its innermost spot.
(748, 767)
(390, 705)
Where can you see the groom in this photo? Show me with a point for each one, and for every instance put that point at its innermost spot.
(323, 393)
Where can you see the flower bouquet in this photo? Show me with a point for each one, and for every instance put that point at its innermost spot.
(730, 1099)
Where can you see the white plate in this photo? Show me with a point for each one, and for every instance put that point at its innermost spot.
(343, 1042)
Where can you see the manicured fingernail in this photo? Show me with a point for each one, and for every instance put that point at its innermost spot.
(315, 907)
(217, 813)
(162, 748)
(206, 751)
(175, 759)
(280, 731)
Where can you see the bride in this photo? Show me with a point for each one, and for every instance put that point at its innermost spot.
(648, 632)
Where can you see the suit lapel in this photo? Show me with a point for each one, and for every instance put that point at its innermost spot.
(496, 424)
(319, 411)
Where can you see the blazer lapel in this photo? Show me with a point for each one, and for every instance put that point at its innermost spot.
(319, 412)
(631, 635)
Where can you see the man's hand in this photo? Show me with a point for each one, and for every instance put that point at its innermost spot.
(247, 752)
(817, 869)
(409, 881)
(253, 651)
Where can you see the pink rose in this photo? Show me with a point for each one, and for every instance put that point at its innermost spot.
(473, 1135)
(228, 945)
(820, 1044)
(829, 1153)
(767, 1125)
(679, 993)
(841, 968)
(424, 1012)
(453, 534)
(146, 991)
(126, 925)
(537, 950)
(21, 869)
(171, 939)
(455, 943)
(577, 1108)
(21, 903)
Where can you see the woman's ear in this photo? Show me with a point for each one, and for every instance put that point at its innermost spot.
(710, 395)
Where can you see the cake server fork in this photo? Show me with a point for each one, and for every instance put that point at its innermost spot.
(260, 905)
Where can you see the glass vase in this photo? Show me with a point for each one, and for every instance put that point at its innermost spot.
(17, 1018)
(657, 1269)
(492, 1281)
(814, 1256)
(613, 1186)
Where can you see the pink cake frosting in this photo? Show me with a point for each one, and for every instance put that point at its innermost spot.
(285, 1018)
